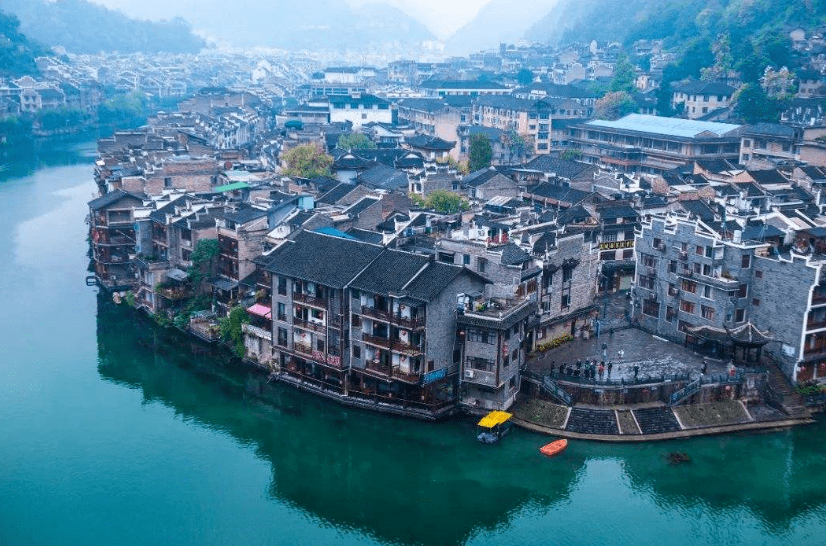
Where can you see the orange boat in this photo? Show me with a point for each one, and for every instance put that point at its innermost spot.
(554, 448)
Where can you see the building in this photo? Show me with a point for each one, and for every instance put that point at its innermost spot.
(700, 98)
(359, 109)
(766, 145)
(112, 231)
(435, 117)
(640, 143)
(469, 88)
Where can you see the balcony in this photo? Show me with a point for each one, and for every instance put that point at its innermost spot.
(255, 331)
(376, 313)
(303, 349)
(309, 325)
(310, 300)
(411, 378)
(376, 367)
(406, 348)
(480, 377)
(377, 341)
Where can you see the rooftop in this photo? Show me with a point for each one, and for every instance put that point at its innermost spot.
(683, 128)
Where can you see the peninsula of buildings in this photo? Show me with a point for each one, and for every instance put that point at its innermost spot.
(598, 277)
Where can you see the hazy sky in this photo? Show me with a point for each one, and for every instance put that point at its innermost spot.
(442, 17)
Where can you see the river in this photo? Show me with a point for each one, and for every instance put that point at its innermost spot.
(113, 433)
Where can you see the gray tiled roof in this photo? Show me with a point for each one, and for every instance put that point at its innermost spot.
(390, 272)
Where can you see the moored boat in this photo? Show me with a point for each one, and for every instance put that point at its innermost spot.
(554, 448)
(493, 426)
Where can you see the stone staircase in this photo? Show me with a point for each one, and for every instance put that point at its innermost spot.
(591, 421)
(792, 402)
(656, 420)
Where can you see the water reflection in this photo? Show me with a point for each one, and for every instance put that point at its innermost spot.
(401, 481)
(36, 154)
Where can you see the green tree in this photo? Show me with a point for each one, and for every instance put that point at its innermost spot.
(572, 155)
(203, 260)
(307, 161)
(230, 328)
(480, 153)
(753, 105)
(442, 201)
(614, 105)
(524, 77)
(624, 76)
(355, 141)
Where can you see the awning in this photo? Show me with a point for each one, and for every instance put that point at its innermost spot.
(494, 418)
(231, 187)
(177, 275)
(260, 310)
(222, 283)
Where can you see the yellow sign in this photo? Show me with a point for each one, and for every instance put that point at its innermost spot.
(617, 245)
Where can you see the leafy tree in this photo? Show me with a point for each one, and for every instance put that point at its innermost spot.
(230, 328)
(515, 143)
(753, 105)
(442, 201)
(480, 153)
(614, 105)
(572, 155)
(203, 260)
(624, 76)
(307, 161)
(524, 77)
(123, 111)
(355, 141)
(17, 52)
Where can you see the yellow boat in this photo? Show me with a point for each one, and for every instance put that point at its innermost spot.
(493, 426)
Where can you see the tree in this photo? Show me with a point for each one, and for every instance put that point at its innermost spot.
(752, 104)
(515, 143)
(230, 327)
(524, 77)
(481, 152)
(624, 76)
(614, 105)
(203, 260)
(442, 201)
(355, 141)
(572, 155)
(307, 161)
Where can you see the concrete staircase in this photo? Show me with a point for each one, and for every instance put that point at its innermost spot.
(592, 421)
(792, 402)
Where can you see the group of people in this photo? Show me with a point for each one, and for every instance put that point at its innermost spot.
(589, 369)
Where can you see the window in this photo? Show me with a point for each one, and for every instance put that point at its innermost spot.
(755, 302)
(701, 250)
(282, 337)
(167, 182)
(740, 315)
(567, 274)
(566, 301)
(646, 282)
(282, 286)
(547, 279)
(689, 286)
(481, 263)
(649, 261)
(512, 382)
(364, 116)
(282, 312)
(611, 237)
(651, 308)
(466, 259)
(743, 291)
(746, 261)
(628, 253)
(658, 243)
(446, 257)
(687, 307)
(697, 268)
(672, 266)
(670, 314)
(707, 292)
(356, 351)
(758, 274)
(356, 321)
(707, 312)
(319, 345)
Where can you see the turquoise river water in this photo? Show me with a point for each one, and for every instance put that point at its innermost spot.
(111, 433)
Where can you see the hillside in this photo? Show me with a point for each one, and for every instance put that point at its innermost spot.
(677, 22)
(497, 22)
(17, 52)
(83, 27)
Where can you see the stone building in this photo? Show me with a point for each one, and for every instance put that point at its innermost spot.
(112, 231)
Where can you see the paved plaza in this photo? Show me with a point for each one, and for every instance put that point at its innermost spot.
(654, 356)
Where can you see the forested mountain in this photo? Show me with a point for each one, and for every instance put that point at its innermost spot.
(83, 27)
(17, 52)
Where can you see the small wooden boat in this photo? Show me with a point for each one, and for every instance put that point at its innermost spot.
(554, 448)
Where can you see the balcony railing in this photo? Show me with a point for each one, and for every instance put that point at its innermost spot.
(479, 377)
(406, 348)
(310, 300)
(376, 313)
(309, 325)
(256, 331)
(377, 341)
(303, 349)
(378, 367)
(386, 316)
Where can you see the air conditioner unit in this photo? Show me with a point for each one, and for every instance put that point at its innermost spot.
(469, 374)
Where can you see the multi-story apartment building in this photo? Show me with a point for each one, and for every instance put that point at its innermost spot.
(241, 230)
(765, 145)
(640, 143)
(112, 231)
(359, 109)
(436, 117)
(732, 297)
(368, 324)
(699, 98)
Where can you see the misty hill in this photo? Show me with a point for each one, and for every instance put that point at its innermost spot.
(307, 24)
(17, 52)
(84, 27)
(497, 22)
(677, 22)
